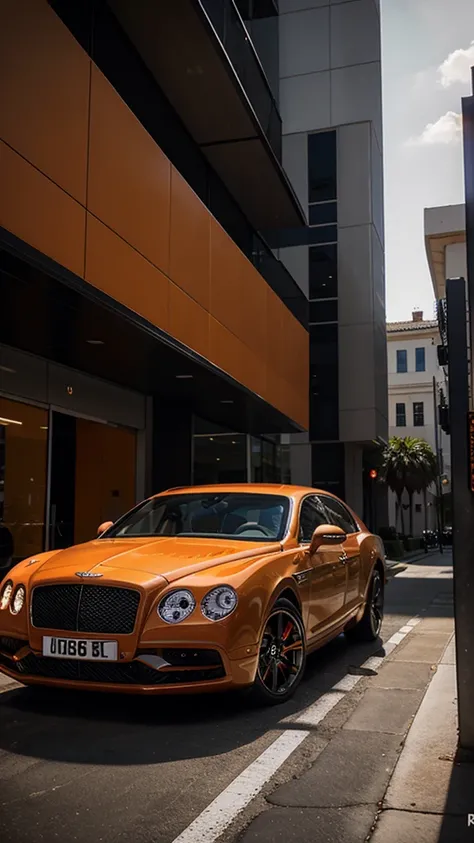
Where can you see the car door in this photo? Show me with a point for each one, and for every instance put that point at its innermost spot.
(328, 576)
(341, 517)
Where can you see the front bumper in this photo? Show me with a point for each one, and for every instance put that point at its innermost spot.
(213, 673)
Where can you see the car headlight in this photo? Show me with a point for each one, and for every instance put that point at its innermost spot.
(219, 602)
(6, 594)
(176, 606)
(16, 604)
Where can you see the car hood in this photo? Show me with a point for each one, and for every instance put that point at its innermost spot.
(167, 557)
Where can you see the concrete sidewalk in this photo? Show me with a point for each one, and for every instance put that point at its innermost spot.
(390, 773)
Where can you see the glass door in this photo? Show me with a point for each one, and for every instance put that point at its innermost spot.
(23, 468)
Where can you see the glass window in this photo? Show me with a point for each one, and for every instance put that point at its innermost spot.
(323, 272)
(418, 414)
(220, 458)
(323, 213)
(23, 460)
(322, 166)
(420, 363)
(402, 363)
(401, 416)
(222, 515)
(312, 515)
(323, 311)
(339, 515)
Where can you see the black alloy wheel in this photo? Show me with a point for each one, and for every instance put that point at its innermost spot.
(282, 655)
(370, 625)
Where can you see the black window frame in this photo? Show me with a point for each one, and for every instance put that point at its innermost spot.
(351, 522)
(322, 271)
(418, 414)
(308, 500)
(322, 166)
(400, 414)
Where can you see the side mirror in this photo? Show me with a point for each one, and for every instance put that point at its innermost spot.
(103, 527)
(326, 534)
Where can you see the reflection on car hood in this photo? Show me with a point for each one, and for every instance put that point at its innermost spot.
(168, 557)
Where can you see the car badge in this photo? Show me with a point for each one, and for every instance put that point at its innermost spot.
(87, 574)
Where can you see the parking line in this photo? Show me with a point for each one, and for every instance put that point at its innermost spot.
(221, 813)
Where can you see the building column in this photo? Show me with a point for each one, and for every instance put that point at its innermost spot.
(172, 439)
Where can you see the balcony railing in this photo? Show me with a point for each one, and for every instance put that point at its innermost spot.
(235, 39)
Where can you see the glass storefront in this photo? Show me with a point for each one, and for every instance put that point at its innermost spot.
(223, 456)
(23, 469)
(90, 472)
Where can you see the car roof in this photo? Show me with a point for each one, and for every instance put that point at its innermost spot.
(251, 488)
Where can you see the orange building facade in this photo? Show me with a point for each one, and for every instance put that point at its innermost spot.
(136, 332)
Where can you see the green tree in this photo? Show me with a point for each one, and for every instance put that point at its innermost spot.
(408, 464)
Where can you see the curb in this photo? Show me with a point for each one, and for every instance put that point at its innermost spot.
(395, 568)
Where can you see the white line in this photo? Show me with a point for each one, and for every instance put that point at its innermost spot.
(221, 813)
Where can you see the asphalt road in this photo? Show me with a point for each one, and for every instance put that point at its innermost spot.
(87, 767)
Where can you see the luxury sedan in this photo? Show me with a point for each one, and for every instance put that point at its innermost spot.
(196, 589)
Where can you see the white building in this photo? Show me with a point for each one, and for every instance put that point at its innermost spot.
(414, 383)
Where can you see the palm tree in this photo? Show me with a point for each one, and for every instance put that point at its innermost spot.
(408, 464)
(425, 472)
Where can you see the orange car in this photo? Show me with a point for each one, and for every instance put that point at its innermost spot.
(196, 589)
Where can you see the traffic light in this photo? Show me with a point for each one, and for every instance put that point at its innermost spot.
(443, 414)
(442, 355)
(373, 474)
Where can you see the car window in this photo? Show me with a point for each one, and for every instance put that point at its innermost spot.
(340, 516)
(212, 515)
(312, 515)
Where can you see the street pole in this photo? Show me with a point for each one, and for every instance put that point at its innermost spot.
(438, 470)
(463, 507)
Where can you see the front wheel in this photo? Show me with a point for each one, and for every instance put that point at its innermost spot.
(369, 626)
(282, 655)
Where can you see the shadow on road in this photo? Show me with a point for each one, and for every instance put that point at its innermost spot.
(104, 729)
(92, 728)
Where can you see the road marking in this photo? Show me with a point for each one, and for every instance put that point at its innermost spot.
(221, 813)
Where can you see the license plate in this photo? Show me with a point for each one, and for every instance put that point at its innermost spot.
(80, 648)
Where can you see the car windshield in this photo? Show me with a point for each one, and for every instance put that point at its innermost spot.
(227, 515)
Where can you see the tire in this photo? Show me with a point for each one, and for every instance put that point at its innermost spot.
(278, 674)
(369, 626)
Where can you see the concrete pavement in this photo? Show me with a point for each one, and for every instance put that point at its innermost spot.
(93, 767)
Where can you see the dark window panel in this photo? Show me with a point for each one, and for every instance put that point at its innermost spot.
(420, 361)
(322, 272)
(328, 467)
(401, 416)
(323, 213)
(418, 414)
(322, 166)
(323, 311)
(402, 361)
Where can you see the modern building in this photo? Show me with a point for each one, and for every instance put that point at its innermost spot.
(416, 388)
(331, 108)
(445, 243)
(156, 262)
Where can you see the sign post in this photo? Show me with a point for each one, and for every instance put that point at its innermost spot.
(462, 469)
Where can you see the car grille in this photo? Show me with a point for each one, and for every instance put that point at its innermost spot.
(85, 608)
(129, 673)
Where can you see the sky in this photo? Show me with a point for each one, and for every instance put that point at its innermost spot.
(427, 52)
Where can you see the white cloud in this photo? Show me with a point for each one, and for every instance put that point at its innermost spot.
(446, 130)
(457, 67)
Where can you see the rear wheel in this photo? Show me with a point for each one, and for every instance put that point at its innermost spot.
(282, 655)
(368, 628)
